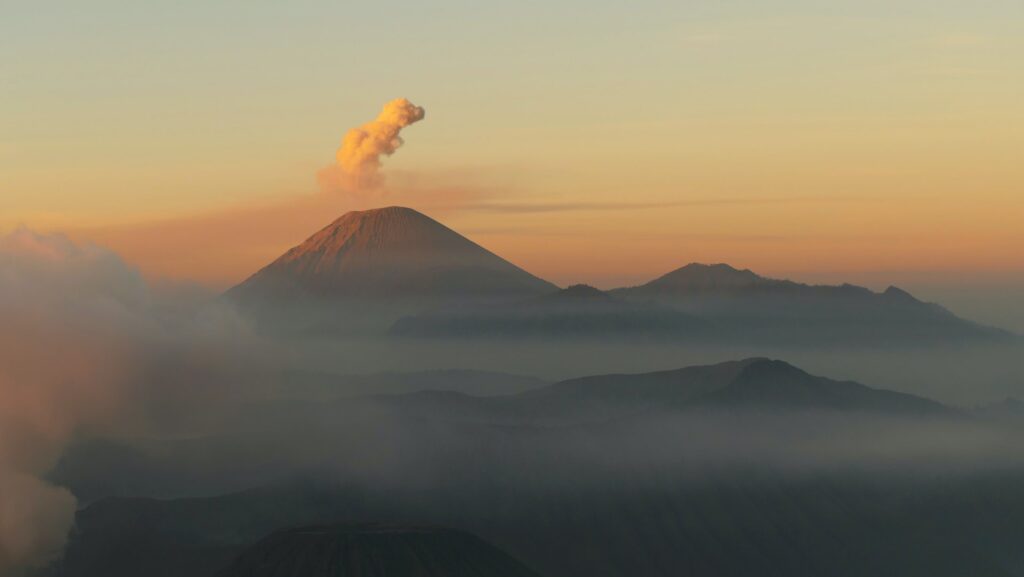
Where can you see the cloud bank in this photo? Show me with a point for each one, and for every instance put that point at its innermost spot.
(87, 348)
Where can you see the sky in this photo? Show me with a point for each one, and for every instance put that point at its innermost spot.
(867, 141)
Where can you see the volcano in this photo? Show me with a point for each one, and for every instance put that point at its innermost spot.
(368, 268)
(387, 253)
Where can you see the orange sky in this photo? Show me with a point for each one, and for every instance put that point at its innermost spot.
(585, 141)
(608, 243)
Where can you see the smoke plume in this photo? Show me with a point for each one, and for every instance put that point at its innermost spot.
(358, 159)
(86, 347)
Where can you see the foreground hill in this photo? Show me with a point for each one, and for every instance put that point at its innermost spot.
(373, 550)
(643, 526)
(750, 467)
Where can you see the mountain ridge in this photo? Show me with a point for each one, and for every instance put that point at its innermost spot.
(755, 382)
(395, 271)
(373, 550)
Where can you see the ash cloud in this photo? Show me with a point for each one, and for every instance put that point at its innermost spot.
(358, 159)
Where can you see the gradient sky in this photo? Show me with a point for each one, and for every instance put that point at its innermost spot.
(868, 141)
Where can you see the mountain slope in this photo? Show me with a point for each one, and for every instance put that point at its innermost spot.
(579, 311)
(696, 277)
(369, 268)
(747, 307)
(709, 304)
(756, 383)
(754, 386)
(733, 526)
(388, 252)
(373, 550)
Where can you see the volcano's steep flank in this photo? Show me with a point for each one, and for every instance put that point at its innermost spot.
(389, 252)
(369, 264)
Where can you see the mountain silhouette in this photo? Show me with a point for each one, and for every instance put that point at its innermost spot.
(754, 383)
(395, 270)
(368, 268)
(373, 550)
(389, 252)
(748, 307)
(696, 277)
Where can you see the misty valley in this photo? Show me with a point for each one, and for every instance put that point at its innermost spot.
(390, 398)
(568, 288)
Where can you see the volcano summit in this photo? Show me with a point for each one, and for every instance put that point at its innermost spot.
(389, 252)
(379, 263)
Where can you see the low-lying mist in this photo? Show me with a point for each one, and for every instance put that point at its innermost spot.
(87, 348)
(963, 375)
(393, 446)
(173, 394)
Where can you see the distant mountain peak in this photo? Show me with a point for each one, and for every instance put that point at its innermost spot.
(771, 367)
(717, 266)
(582, 291)
(752, 383)
(897, 293)
(699, 276)
(759, 372)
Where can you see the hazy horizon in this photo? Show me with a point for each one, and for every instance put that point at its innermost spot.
(285, 288)
(797, 141)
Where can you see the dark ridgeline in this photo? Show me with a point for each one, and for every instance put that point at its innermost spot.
(711, 304)
(733, 526)
(756, 383)
(751, 385)
(373, 550)
(746, 306)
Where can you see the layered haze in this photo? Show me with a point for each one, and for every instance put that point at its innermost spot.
(87, 348)
(661, 288)
(163, 393)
